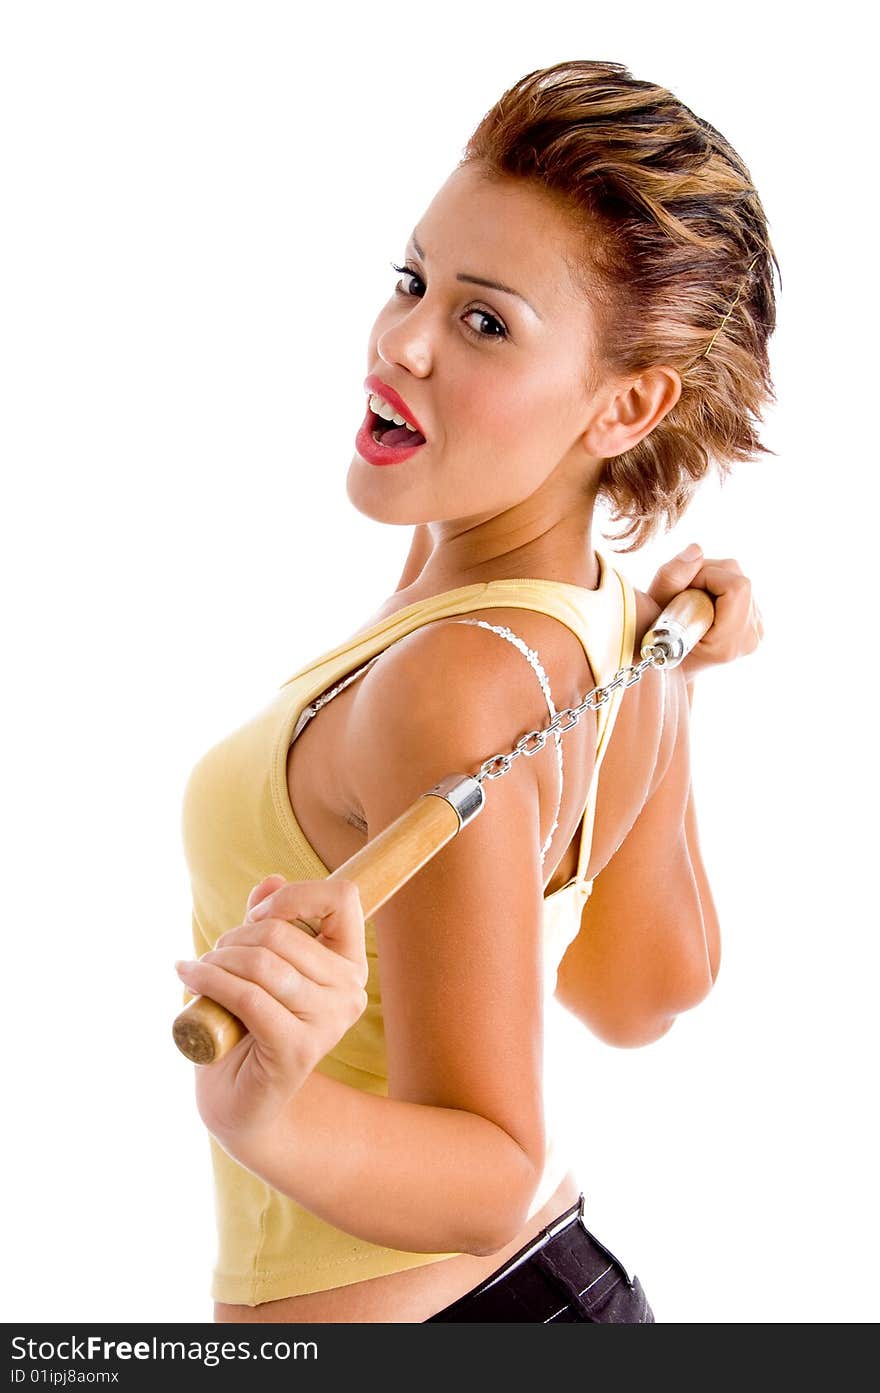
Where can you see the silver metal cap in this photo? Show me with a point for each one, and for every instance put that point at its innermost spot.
(667, 644)
(462, 793)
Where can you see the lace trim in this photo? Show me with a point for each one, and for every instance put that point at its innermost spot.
(535, 663)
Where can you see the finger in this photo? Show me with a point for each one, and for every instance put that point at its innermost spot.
(721, 582)
(731, 593)
(676, 575)
(267, 886)
(726, 574)
(336, 903)
(288, 941)
(255, 963)
(256, 1008)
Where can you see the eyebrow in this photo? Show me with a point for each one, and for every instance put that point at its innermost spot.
(481, 280)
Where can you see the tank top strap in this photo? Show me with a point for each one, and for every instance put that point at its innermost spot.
(626, 639)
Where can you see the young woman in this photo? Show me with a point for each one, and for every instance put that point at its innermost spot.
(583, 314)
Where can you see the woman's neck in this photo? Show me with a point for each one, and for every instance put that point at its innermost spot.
(419, 553)
(424, 573)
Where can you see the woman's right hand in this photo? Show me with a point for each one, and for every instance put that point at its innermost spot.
(738, 627)
(297, 995)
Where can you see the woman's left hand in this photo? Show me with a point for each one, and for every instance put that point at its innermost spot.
(737, 628)
(296, 994)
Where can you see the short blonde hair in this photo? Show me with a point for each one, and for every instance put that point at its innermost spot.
(674, 231)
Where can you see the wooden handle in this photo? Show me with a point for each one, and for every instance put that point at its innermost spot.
(204, 1030)
(679, 627)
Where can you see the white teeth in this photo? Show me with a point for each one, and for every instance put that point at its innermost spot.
(381, 408)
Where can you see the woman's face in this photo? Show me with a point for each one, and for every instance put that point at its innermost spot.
(497, 381)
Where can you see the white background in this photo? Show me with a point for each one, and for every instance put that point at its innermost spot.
(201, 205)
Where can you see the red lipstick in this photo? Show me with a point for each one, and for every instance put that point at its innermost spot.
(372, 383)
(373, 451)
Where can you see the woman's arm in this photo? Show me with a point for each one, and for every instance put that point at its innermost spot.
(403, 1174)
(648, 946)
(711, 926)
(451, 1159)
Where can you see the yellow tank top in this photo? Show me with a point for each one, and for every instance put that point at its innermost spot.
(238, 827)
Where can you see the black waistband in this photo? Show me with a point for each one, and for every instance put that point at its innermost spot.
(562, 1221)
(562, 1274)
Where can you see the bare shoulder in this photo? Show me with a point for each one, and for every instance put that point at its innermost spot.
(446, 697)
(470, 694)
(647, 610)
(557, 647)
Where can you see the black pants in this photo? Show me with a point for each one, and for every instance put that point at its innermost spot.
(563, 1274)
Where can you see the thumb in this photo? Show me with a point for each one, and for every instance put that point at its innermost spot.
(676, 574)
(268, 886)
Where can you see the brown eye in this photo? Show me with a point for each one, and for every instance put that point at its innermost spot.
(407, 271)
(484, 314)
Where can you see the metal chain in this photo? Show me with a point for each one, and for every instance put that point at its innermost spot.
(564, 720)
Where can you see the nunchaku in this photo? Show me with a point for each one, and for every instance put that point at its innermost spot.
(204, 1030)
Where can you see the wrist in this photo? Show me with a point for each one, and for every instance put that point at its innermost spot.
(245, 1144)
(248, 1134)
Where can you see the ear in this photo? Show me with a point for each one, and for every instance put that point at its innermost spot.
(631, 410)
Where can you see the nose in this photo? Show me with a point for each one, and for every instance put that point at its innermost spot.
(406, 343)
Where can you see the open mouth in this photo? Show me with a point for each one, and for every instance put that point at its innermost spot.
(391, 436)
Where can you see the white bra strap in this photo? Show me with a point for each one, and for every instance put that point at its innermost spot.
(528, 653)
(535, 663)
